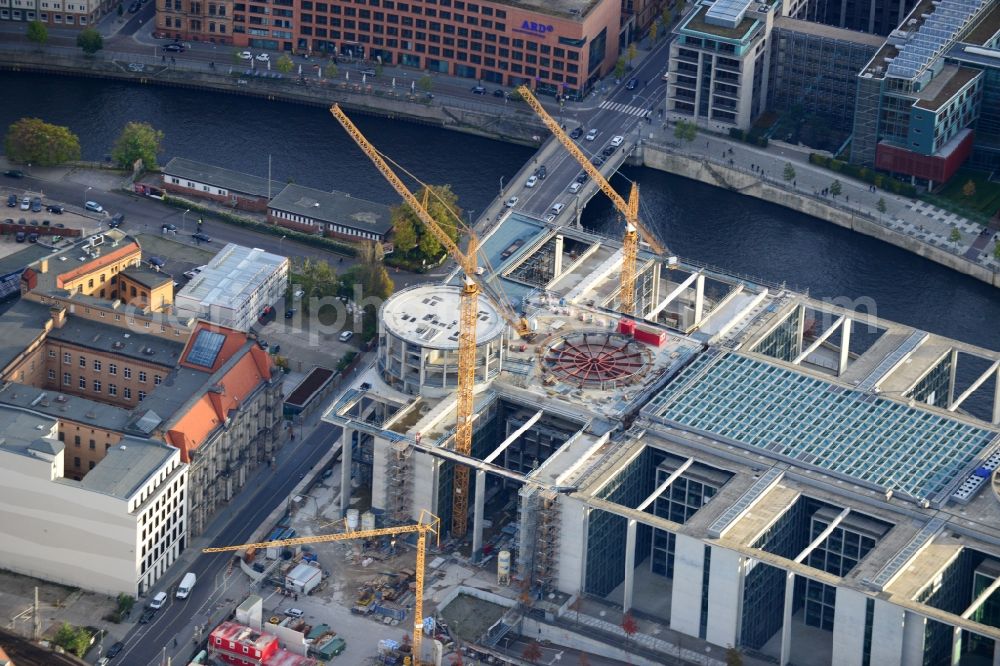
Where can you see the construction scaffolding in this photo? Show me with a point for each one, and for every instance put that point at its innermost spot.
(400, 485)
(547, 540)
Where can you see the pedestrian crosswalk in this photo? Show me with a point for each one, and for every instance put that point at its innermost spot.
(624, 108)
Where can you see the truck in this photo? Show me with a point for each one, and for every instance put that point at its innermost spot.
(184, 589)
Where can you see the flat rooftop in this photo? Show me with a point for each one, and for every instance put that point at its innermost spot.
(126, 466)
(828, 32)
(23, 431)
(111, 339)
(334, 207)
(427, 315)
(945, 85)
(19, 327)
(65, 407)
(228, 179)
(696, 23)
(987, 28)
(231, 276)
(793, 416)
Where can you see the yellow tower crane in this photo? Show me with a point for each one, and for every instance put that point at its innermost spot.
(629, 210)
(427, 523)
(469, 312)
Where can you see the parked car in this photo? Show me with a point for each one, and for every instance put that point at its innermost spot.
(55, 209)
(36, 205)
(666, 76)
(134, 7)
(592, 134)
(263, 57)
(617, 140)
(94, 207)
(204, 238)
(25, 203)
(344, 337)
(597, 160)
(542, 172)
(550, 218)
(11, 201)
(499, 92)
(173, 48)
(116, 221)
(478, 90)
(632, 83)
(168, 227)
(158, 601)
(582, 178)
(20, 236)
(576, 133)
(115, 650)
(557, 208)
(531, 181)
(510, 203)
(574, 187)
(608, 151)
(244, 55)
(296, 612)
(60, 225)
(289, 313)
(147, 617)
(14, 173)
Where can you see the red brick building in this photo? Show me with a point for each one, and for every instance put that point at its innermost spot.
(240, 645)
(205, 181)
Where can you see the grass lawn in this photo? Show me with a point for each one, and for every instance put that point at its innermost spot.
(986, 200)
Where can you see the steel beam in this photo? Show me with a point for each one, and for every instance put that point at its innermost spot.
(513, 437)
(678, 290)
(820, 340)
(975, 385)
(822, 535)
(666, 484)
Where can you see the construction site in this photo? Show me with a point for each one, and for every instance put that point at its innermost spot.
(590, 443)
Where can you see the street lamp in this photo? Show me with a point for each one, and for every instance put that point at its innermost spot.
(280, 243)
(184, 220)
(85, 196)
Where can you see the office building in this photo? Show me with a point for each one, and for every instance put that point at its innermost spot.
(233, 289)
(873, 17)
(116, 530)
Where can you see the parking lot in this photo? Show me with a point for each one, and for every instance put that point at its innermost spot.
(45, 221)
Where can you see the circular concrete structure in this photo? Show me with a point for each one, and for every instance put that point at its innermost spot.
(595, 359)
(418, 340)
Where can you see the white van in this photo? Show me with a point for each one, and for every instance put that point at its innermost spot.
(184, 589)
(575, 187)
(158, 601)
(591, 135)
(557, 208)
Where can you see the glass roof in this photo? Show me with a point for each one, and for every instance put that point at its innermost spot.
(815, 422)
(727, 12)
(938, 31)
(206, 348)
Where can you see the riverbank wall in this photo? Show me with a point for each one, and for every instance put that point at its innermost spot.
(515, 124)
(667, 158)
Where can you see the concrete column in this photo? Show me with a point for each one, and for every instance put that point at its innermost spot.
(685, 599)
(786, 620)
(479, 505)
(848, 627)
(629, 564)
(557, 262)
(956, 646)
(887, 634)
(345, 470)
(800, 331)
(845, 344)
(699, 299)
(657, 276)
(951, 379)
(725, 597)
(996, 400)
(914, 627)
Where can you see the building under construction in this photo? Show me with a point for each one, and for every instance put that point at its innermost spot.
(741, 463)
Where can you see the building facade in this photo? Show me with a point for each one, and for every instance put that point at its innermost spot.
(115, 530)
(205, 181)
(332, 214)
(554, 49)
(56, 13)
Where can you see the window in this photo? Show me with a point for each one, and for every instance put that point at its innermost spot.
(52, 374)
(82, 383)
(127, 372)
(76, 462)
(142, 396)
(76, 440)
(97, 386)
(157, 379)
(52, 353)
(127, 393)
(97, 365)
(93, 445)
(112, 389)
(91, 464)
(67, 378)
(67, 358)
(142, 376)
(83, 361)
(112, 368)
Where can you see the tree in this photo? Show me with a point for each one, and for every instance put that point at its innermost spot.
(733, 657)
(378, 68)
(34, 141)
(880, 206)
(969, 189)
(631, 52)
(996, 250)
(74, 640)
(138, 141)
(442, 204)
(836, 188)
(532, 652)
(317, 280)
(789, 173)
(370, 272)
(284, 64)
(629, 626)
(330, 71)
(667, 17)
(955, 236)
(685, 131)
(38, 33)
(654, 29)
(620, 68)
(425, 83)
(90, 41)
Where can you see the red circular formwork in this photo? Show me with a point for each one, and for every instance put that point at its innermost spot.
(593, 359)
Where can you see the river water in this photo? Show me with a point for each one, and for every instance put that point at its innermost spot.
(714, 226)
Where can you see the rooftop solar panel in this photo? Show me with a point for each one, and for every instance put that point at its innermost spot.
(939, 29)
(206, 348)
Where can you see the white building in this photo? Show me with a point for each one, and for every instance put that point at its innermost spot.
(235, 287)
(117, 530)
(55, 12)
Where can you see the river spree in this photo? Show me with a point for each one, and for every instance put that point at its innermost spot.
(714, 226)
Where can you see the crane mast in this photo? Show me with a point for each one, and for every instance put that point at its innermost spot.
(427, 523)
(628, 209)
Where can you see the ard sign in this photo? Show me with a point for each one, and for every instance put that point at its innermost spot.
(532, 28)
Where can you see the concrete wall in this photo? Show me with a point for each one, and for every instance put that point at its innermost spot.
(887, 634)
(57, 531)
(573, 524)
(685, 603)
(848, 627)
(747, 184)
(725, 587)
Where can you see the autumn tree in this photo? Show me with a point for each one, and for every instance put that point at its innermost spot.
(734, 657)
(90, 41)
(316, 280)
(138, 141)
(330, 71)
(620, 68)
(629, 625)
(412, 239)
(969, 189)
(667, 17)
(654, 29)
(38, 33)
(74, 640)
(631, 52)
(881, 205)
(34, 141)
(532, 652)
(284, 64)
(789, 173)
(955, 236)
(425, 83)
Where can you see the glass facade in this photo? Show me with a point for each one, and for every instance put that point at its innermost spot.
(935, 386)
(783, 342)
(678, 503)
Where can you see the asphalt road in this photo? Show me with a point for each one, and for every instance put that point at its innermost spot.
(266, 489)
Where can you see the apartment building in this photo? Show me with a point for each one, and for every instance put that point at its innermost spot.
(117, 529)
(58, 13)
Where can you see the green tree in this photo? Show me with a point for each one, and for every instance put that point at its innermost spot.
(74, 640)
(996, 250)
(620, 68)
(331, 71)
(236, 55)
(836, 188)
(955, 236)
(969, 189)
(631, 52)
(371, 274)
(654, 29)
(90, 41)
(685, 131)
(34, 141)
(38, 33)
(789, 173)
(425, 83)
(880, 206)
(442, 204)
(667, 17)
(378, 69)
(138, 141)
(284, 64)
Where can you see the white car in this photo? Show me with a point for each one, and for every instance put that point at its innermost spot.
(94, 207)
(25, 203)
(245, 55)
(158, 601)
(557, 208)
(575, 187)
(531, 181)
(263, 57)
(510, 203)
(592, 134)
(346, 335)
(617, 140)
(550, 218)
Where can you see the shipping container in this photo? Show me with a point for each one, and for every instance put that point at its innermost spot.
(650, 336)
